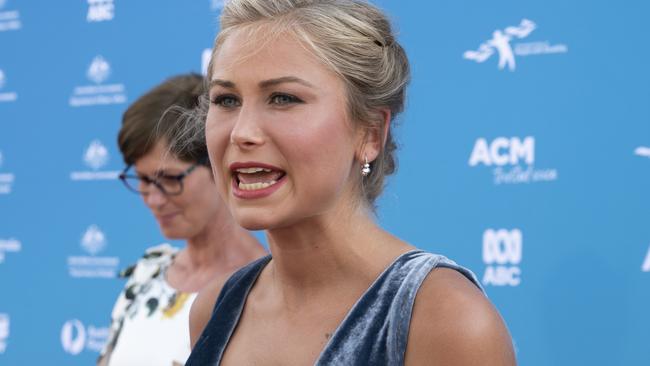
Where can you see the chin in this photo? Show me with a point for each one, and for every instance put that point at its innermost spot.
(173, 233)
(256, 219)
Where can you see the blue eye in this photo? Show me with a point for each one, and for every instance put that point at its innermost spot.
(284, 99)
(226, 101)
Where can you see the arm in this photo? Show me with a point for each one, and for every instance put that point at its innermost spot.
(454, 324)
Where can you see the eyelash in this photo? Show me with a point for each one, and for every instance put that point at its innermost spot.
(289, 99)
(219, 99)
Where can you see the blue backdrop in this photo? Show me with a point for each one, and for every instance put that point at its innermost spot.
(525, 155)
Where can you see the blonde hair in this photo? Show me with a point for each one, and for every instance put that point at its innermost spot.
(355, 40)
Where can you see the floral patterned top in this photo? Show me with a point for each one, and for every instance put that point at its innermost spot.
(150, 320)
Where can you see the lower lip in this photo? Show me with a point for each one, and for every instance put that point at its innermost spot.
(258, 193)
(167, 219)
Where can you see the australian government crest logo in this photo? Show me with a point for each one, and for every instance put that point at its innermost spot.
(98, 93)
(95, 157)
(512, 160)
(9, 19)
(6, 178)
(91, 265)
(6, 95)
(503, 43)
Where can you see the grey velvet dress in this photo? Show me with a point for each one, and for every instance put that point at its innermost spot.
(374, 332)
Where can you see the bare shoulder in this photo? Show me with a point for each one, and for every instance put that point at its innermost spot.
(203, 305)
(453, 323)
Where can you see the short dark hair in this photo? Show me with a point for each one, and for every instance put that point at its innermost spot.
(157, 116)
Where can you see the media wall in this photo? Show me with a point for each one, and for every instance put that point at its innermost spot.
(524, 155)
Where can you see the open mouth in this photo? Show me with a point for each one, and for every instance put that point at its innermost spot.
(256, 178)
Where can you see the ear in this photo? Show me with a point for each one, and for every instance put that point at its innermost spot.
(374, 138)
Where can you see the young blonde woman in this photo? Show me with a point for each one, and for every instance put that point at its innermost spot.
(302, 94)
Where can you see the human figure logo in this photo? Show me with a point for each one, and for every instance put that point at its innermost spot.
(73, 336)
(645, 267)
(96, 155)
(99, 70)
(502, 43)
(93, 240)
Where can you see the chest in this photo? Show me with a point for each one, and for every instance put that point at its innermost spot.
(262, 338)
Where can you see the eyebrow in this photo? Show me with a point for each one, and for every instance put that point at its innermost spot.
(263, 84)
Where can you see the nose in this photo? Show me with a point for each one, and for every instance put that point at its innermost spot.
(246, 132)
(154, 198)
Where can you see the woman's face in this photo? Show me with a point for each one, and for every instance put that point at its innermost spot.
(277, 132)
(185, 215)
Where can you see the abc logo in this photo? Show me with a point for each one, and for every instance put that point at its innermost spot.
(503, 151)
(502, 252)
(73, 337)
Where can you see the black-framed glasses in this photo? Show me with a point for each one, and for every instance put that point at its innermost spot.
(170, 185)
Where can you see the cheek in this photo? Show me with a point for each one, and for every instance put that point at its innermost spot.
(321, 153)
(217, 138)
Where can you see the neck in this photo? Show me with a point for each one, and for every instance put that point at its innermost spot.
(222, 244)
(327, 251)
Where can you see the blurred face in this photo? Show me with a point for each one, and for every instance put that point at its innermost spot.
(277, 132)
(185, 215)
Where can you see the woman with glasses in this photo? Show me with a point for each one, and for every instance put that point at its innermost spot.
(302, 98)
(151, 316)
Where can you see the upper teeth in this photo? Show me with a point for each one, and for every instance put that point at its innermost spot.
(252, 170)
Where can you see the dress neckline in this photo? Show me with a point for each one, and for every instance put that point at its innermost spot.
(265, 261)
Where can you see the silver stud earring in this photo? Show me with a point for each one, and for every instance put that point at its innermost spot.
(366, 167)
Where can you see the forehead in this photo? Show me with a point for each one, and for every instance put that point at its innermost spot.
(253, 55)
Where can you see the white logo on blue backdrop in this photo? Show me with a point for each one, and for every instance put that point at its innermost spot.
(513, 159)
(98, 72)
(93, 241)
(9, 19)
(7, 96)
(95, 157)
(100, 10)
(501, 43)
(6, 179)
(206, 56)
(645, 267)
(642, 151)
(75, 337)
(9, 246)
(4, 331)
(502, 254)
